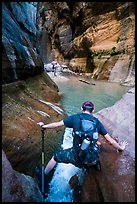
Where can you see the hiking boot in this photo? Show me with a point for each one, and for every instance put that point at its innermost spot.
(97, 166)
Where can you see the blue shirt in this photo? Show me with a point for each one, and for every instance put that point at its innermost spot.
(73, 121)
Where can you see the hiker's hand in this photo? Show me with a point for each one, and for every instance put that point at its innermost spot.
(123, 144)
(40, 124)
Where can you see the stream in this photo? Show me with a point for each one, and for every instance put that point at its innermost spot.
(73, 93)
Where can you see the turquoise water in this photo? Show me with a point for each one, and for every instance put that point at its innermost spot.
(103, 94)
(73, 94)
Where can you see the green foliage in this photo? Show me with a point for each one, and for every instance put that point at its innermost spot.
(101, 53)
(118, 39)
(113, 51)
(97, 54)
(121, 39)
(42, 9)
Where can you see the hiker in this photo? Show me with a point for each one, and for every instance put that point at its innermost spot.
(75, 155)
(54, 63)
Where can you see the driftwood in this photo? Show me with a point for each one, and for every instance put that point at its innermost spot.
(86, 82)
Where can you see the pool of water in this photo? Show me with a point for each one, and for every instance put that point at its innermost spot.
(74, 92)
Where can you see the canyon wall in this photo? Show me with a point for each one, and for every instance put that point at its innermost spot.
(20, 58)
(28, 96)
(93, 37)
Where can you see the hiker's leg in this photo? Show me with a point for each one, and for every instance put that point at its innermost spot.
(63, 156)
(50, 165)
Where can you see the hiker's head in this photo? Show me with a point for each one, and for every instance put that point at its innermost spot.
(87, 106)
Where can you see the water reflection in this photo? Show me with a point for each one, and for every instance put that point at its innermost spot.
(103, 94)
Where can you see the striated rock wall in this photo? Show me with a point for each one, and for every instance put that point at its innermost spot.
(20, 58)
(21, 108)
(69, 40)
(24, 103)
(93, 37)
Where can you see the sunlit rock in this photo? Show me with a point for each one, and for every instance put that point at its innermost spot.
(100, 34)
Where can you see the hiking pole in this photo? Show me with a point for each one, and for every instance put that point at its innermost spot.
(42, 160)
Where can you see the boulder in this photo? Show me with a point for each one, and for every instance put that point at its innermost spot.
(18, 187)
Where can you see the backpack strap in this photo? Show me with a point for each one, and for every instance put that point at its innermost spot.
(94, 120)
(82, 118)
(91, 153)
(89, 133)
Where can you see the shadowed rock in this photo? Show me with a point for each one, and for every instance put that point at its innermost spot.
(20, 57)
(17, 187)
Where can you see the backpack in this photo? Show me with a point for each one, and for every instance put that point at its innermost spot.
(89, 130)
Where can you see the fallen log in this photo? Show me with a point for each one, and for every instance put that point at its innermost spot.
(86, 82)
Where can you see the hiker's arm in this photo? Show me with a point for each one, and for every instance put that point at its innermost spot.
(115, 144)
(51, 125)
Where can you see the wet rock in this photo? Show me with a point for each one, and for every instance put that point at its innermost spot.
(21, 136)
(20, 57)
(75, 185)
(116, 181)
(119, 120)
(17, 187)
